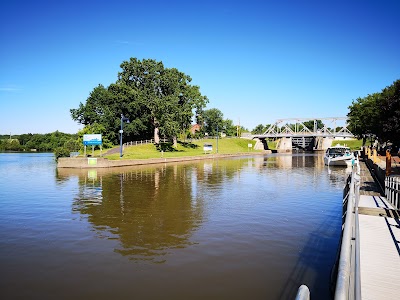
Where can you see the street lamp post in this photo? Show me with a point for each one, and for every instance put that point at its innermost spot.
(217, 138)
(123, 119)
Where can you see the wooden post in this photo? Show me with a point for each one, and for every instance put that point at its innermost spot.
(388, 163)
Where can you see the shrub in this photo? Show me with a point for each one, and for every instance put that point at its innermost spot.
(61, 152)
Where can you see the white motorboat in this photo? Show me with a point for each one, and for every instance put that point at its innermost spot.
(339, 156)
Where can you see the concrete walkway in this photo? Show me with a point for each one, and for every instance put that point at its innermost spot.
(379, 242)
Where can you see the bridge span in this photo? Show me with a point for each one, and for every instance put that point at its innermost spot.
(292, 133)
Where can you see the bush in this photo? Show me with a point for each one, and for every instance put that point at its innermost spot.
(61, 152)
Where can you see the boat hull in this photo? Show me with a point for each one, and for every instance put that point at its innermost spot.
(346, 161)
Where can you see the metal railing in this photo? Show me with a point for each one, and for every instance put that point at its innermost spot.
(144, 142)
(348, 283)
(392, 186)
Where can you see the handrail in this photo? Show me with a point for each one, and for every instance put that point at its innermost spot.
(392, 190)
(357, 233)
(348, 284)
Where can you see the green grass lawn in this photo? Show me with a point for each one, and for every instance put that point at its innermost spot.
(353, 144)
(194, 148)
(272, 145)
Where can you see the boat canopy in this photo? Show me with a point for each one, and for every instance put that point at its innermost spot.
(338, 151)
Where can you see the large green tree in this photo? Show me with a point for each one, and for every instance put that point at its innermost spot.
(390, 113)
(364, 117)
(213, 121)
(377, 115)
(154, 98)
(229, 128)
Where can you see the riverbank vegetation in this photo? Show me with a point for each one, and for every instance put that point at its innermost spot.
(377, 116)
(48, 142)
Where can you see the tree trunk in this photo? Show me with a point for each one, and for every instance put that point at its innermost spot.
(175, 142)
(156, 136)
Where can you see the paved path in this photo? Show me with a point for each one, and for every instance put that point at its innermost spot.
(379, 242)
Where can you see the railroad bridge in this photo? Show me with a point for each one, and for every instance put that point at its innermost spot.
(292, 133)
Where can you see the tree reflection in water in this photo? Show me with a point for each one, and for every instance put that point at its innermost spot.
(150, 210)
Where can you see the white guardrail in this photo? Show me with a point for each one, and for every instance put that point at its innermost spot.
(348, 283)
(392, 190)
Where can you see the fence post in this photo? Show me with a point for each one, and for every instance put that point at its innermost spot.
(388, 163)
(387, 190)
(397, 193)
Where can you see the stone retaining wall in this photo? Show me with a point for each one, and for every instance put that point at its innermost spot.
(99, 162)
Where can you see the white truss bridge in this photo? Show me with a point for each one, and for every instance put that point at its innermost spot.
(294, 134)
(294, 127)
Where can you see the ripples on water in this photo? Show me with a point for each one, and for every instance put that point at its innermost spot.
(253, 227)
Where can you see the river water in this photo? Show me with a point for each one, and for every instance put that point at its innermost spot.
(245, 228)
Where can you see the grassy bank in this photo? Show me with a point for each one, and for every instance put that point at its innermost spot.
(353, 144)
(194, 148)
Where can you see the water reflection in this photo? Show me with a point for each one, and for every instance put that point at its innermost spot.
(252, 227)
(149, 210)
(147, 217)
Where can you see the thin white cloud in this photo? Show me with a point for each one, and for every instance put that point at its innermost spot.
(9, 89)
(124, 42)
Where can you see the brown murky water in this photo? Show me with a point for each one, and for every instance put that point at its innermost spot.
(245, 228)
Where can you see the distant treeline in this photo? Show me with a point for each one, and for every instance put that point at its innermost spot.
(38, 142)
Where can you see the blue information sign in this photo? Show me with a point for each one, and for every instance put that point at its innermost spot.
(92, 139)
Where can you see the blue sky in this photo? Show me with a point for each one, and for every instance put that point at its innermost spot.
(256, 61)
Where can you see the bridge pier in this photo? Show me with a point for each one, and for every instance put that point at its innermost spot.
(326, 143)
(284, 144)
(261, 144)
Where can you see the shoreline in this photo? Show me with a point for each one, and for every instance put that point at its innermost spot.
(100, 162)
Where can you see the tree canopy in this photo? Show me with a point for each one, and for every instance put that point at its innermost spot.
(377, 115)
(39, 142)
(156, 100)
(213, 120)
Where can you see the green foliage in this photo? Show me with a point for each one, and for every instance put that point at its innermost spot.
(95, 128)
(229, 128)
(390, 112)
(213, 119)
(39, 142)
(154, 99)
(10, 145)
(310, 124)
(260, 129)
(72, 145)
(61, 152)
(377, 115)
